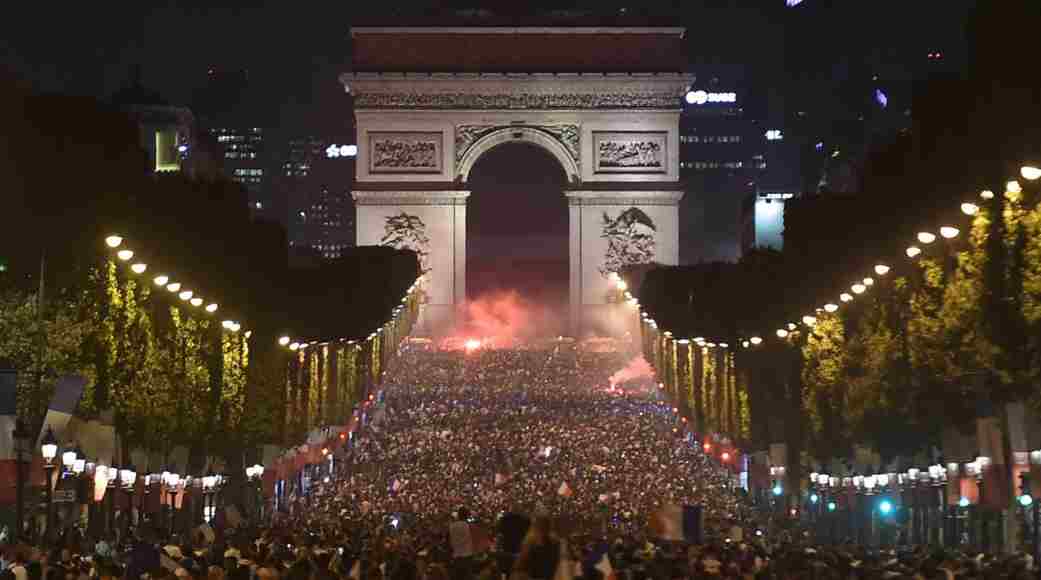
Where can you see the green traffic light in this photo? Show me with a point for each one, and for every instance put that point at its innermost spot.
(831, 506)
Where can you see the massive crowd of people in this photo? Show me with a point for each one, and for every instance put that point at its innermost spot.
(520, 463)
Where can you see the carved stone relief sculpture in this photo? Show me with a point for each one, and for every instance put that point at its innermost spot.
(621, 152)
(568, 136)
(403, 152)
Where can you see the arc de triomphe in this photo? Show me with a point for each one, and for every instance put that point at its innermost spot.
(614, 132)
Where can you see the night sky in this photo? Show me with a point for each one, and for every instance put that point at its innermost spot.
(294, 52)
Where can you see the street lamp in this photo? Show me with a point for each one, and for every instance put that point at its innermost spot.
(49, 450)
(1030, 173)
(68, 459)
(49, 446)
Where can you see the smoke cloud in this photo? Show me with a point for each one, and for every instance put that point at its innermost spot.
(637, 369)
(502, 319)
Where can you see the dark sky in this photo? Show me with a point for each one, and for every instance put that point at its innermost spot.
(294, 50)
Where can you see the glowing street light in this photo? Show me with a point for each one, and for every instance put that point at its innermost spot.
(782, 333)
(139, 268)
(195, 301)
(846, 297)
(125, 255)
(987, 194)
(829, 307)
(161, 280)
(211, 307)
(1013, 187)
(970, 208)
(283, 341)
(1030, 172)
(949, 232)
(885, 507)
(858, 288)
(881, 269)
(926, 237)
(113, 241)
(912, 251)
(294, 346)
(869, 281)
(185, 294)
(809, 320)
(755, 340)
(174, 286)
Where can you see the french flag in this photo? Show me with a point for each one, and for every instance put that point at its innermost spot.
(679, 523)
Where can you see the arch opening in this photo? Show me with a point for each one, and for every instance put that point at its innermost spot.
(517, 239)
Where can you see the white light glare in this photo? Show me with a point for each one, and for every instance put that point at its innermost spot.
(211, 307)
(881, 269)
(1030, 172)
(926, 237)
(949, 232)
(846, 297)
(124, 255)
(913, 251)
(829, 307)
(114, 241)
(970, 208)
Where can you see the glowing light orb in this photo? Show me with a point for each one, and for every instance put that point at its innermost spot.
(472, 344)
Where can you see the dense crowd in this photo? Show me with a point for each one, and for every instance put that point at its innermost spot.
(492, 464)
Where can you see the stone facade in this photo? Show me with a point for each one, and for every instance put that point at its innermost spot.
(615, 135)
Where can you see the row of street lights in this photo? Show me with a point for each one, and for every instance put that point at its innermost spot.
(162, 280)
(72, 464)
(297, 344)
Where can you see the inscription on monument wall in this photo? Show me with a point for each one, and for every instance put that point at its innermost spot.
(623, 152)
(404, 152)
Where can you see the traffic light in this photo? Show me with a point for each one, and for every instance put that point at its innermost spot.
(832, 506)
(814, 498)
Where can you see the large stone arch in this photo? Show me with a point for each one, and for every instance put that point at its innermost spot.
(614, 133)
(517, 134)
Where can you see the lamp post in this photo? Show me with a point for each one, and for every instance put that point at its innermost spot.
(209, 482)
(127, 479)
(22, 440)
(255, 474)
(49, 450)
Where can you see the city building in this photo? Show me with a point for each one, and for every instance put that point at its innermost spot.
(729, 151)
(245, 161)
(228, 110)
(314, 179)
(167, 133)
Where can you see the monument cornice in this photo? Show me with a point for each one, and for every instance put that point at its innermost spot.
(431, 197)
(531, 91)
(626, 198)
(565, 30)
